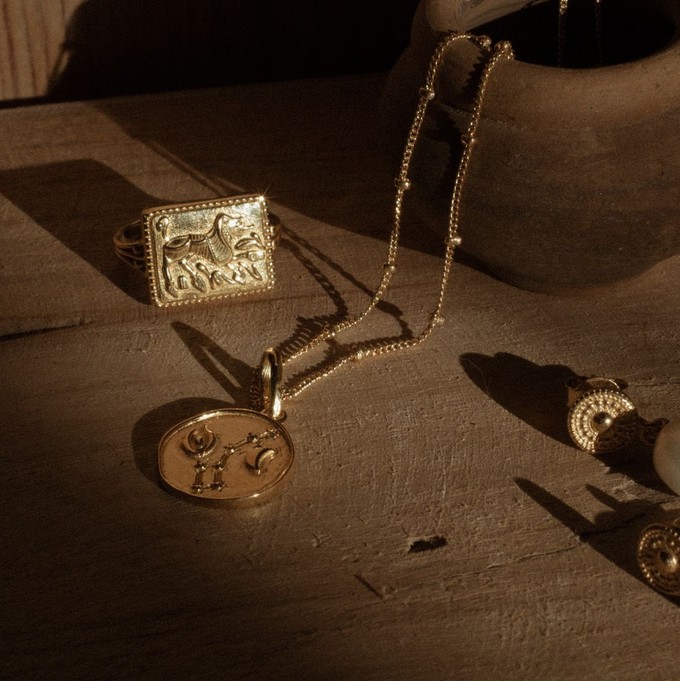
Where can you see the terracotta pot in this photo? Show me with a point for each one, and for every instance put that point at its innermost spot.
(575, 180)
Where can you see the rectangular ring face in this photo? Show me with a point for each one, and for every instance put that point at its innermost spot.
(208, 250)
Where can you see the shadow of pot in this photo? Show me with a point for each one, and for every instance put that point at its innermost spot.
(575, 180)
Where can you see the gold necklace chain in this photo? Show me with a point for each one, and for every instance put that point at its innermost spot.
(563, 9)
(239, 471)
(497, 53)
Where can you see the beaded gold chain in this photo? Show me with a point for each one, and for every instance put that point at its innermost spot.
(499, 52)
(235, 455)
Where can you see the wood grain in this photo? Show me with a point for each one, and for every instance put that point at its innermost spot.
(458, 447)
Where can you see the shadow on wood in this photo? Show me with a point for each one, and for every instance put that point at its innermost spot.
(538, 396)
(82, 203)
(233, 375)
(614, 532)
(309, 327)
(533, 393)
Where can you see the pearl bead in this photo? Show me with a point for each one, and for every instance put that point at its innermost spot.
(667, 455)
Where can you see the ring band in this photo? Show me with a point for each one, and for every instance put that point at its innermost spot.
(128, 243)
(195, 252)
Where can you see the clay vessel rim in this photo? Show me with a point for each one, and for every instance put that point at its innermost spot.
(602, 95)
(438, 18)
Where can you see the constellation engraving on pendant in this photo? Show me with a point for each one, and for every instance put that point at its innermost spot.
(228, 455)
(201, 443)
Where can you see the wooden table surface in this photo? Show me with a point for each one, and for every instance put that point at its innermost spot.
(439, 524)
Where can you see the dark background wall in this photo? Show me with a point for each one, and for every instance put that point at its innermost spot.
(111, 47)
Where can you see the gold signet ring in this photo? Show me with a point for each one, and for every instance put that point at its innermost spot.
(196, 252)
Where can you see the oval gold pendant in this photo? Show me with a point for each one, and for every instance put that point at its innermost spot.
(229, 455)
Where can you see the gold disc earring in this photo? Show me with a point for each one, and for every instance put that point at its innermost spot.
(658, 556)
(602, 418)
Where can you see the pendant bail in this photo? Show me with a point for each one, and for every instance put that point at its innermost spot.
(271, 368)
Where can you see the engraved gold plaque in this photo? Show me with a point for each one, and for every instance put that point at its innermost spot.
(229, 455)
(208, 250)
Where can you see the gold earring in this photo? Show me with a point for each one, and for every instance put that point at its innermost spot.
(658, 556)
(602, 418)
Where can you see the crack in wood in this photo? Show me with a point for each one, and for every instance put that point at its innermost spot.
(427, 544)
(382, 593)
(40, 331)
(521, 559)
(613, 528)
